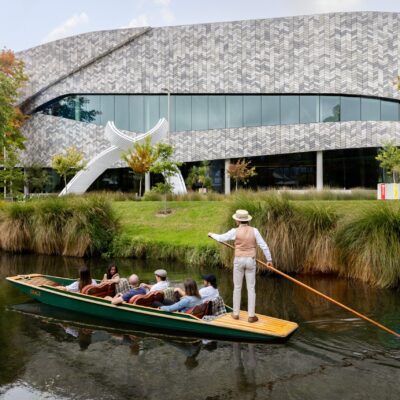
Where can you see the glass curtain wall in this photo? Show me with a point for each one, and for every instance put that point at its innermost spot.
(139, 113)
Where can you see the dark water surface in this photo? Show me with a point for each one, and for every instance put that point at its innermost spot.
(47, 353)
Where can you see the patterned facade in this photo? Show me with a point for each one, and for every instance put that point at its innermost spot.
(342, 53)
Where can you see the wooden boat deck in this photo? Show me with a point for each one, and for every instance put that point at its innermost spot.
(35, 280)
(265, 325)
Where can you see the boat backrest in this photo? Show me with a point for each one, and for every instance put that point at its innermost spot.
(201, 310)
(102, 290)
(147, 299)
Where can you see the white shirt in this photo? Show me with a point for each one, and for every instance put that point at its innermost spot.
(231, 235)
(159, 286)
(74, 287)
(208, 293)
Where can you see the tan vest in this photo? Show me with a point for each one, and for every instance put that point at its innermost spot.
(245, 243)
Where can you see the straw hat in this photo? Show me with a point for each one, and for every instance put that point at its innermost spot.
(242, 216)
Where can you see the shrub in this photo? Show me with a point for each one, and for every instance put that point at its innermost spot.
(69, 226)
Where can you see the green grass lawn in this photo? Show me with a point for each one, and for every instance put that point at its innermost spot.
(188, 225)
(190, 221)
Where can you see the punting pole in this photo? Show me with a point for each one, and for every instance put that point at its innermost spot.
(322, 295)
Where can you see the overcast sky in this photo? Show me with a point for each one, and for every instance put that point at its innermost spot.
(27, 23)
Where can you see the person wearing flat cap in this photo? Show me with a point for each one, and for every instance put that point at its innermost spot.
(161, 281)
(246, 240)
(210, 290)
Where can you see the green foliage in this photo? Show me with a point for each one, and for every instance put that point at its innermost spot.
(36, 177)
(166, 167)
(199, 176)
(369, 245)
(69, 226)
(11, 175)
(140, 159)
(389, 158)
(68, 164)
(12, 79)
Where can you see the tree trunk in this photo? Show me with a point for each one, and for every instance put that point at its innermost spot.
(65, 184)
(394, 176)
(236, 185)
(140, 186)
(165, 203)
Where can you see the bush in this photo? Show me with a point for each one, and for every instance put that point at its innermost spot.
(369, 246)
(68, 226)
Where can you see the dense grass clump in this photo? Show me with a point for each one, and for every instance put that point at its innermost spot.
(369, 246)
(69, 226)
(300, 237)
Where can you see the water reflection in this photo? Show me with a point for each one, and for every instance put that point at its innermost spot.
(47, 352)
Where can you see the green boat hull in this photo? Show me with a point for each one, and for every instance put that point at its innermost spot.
(142, 317)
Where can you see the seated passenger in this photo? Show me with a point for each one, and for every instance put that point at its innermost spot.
(84, 280)
(190, 299)
(161, 281)
(112, 275)
(125, 297)
(209, 291)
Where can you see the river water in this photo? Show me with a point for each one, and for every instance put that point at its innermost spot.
(47, 353)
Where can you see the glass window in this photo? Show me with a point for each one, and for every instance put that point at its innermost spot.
(136, 113)
(106, 109)
(290, 109)
(389, 110)
(329, 108)
(234, 111)
(151, 111)
(216, 114)
(251, 110)
(370, 110)
(90, 109)
(183, 113)
(122, 112)
(199, 112)
(350, 108)
(270, 110)
(309, 109)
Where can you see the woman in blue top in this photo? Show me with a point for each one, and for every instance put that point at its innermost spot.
(190, 299)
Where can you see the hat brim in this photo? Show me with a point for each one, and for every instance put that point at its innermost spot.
(249, 218)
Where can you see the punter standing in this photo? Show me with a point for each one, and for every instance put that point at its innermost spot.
(246, 240)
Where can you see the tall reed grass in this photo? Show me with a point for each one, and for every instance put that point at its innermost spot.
(71, 226)
(307, 237)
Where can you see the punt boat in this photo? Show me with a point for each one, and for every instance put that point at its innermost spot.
(266, 329)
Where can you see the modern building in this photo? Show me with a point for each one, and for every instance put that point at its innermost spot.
(308, 99)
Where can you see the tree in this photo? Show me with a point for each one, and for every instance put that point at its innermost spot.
(140, 159)
(11, 176)
(200, 176)
(241, 172)
(12, 79)
(36, 176)
(68, 164)
(389, 158)
(165, 166)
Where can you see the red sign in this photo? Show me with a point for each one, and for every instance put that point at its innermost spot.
(383, 191)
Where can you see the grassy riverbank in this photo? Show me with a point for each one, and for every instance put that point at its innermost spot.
(353, 238)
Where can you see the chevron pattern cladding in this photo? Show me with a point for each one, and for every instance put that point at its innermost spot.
(49, 135)
(345, 53)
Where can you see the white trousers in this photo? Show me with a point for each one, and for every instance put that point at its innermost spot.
(244, 266)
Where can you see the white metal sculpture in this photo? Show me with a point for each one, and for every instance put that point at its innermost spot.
(120, 142)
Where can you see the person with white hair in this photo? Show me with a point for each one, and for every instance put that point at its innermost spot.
(134, 283)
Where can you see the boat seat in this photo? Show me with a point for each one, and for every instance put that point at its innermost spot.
(201, 310)
(148, 299)
(101, 290)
